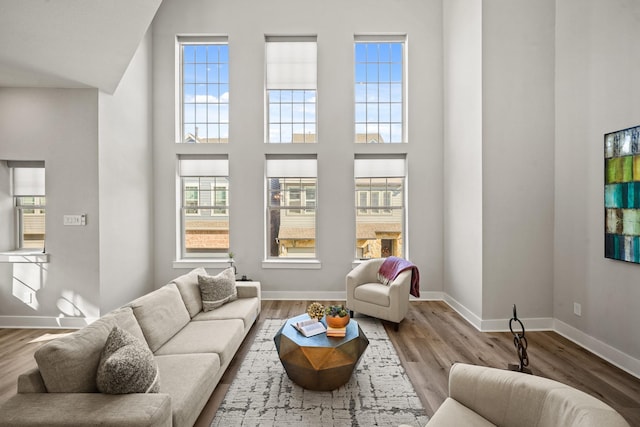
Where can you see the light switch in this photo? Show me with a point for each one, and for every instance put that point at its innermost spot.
(75, 219)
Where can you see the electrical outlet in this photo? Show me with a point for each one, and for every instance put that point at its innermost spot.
(577, 309)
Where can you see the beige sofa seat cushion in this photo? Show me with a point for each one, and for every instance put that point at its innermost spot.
(454, 414)
(374, 293)
(69, 364)
(161, 314)
(189, 379)
(222, 337)
(246, 309)
(81, 410)
(190, 291)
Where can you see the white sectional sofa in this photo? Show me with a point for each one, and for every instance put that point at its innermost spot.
(191, 348)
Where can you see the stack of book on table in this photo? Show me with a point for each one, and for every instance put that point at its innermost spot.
(336, 332)
(310, 327)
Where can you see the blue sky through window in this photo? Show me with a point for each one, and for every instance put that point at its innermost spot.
(205, 92)
(378, 92)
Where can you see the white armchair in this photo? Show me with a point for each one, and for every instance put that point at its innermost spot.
(366, 295)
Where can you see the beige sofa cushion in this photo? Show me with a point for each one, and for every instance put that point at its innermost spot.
(222, 337)
(69, 364)
(125, 319)
(161, 314)
(189, 379)
(88, 409)
(246, 309)
(188, 286)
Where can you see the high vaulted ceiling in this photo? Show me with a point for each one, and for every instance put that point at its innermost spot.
(70, 43)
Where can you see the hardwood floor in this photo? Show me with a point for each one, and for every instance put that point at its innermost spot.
(430, 339)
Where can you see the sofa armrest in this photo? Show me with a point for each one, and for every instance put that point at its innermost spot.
(249, 290)
(81, 409)
(513, 398)
(31, 382)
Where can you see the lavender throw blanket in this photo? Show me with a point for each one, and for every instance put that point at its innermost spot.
(392, 266)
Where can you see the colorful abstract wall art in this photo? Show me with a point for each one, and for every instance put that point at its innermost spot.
(622, 195)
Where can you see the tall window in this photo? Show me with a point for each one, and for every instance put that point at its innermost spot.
(380, 207)
(204, 89)
(379, 111)
(291, 207)
(291, 89)
(30, 203)
(204, 225)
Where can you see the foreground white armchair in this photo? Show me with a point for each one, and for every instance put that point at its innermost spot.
(366, 295)
(481, 396)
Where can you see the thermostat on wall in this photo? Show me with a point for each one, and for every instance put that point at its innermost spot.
(75, 219)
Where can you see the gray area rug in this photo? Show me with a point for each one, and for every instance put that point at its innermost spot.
(378, 394)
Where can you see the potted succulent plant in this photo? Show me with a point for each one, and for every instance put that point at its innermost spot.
(336, 316)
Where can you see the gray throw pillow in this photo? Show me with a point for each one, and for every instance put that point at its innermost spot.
(126, 365)
(217, 290)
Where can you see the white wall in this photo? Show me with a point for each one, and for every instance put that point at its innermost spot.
(499, 139)
(598, 87)
(463, 153)
(518, 158)
(126, 186)
(59, 126)
(335, 24)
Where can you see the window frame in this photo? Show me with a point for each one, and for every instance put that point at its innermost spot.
(211, 207)
(28, 181)
(222, 126)
(289, 98)
(303, 176)
(365, 123)
(19, 209)
(377, 168)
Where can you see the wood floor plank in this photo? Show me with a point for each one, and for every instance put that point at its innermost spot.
(429, 340)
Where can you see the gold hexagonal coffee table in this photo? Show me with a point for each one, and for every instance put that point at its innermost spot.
(319, 362)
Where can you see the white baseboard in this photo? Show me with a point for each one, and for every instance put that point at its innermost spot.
(498, 325)
(45, 322)
(467, 314)
(305, 296)
(334, 296)
(429, 296)
(605, 351)
(530, 324)
(601, 349)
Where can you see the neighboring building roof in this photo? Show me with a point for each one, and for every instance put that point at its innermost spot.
(369, 138)
(191, 139)
(293, 233)
(371, 230)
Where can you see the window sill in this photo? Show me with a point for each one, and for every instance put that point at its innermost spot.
(300, 264)
(24, 256)
(202, 262)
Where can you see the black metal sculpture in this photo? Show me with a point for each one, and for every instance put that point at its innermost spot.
(520, 341)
